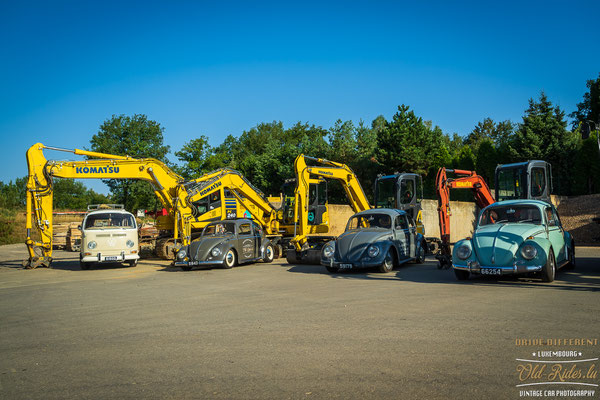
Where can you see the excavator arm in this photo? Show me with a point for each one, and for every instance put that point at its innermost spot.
(463, 180)
(166, 184)
(250, 197)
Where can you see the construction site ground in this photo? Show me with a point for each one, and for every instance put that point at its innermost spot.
(278, 331)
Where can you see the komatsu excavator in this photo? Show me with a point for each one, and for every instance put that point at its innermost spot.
(311, 218)
(189, 205)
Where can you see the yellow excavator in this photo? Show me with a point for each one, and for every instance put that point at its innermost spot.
(310, 206)
(190, 205)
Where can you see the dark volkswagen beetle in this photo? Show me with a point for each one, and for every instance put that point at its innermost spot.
(381, 237)
(226, 244)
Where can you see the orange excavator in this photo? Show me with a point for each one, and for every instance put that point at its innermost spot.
(462, 180)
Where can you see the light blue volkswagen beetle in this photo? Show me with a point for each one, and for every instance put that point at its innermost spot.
(515, 237)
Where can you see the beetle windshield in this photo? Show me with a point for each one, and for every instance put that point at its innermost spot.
(369, 221)
(109, 220)
(222, 228)
(511, 214)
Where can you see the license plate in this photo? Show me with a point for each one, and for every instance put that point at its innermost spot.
(491, 271)
(111, 258)
(344, 266)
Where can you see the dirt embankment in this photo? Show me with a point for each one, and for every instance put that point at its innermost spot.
(577, 215)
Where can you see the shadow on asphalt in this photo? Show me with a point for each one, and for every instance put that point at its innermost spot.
(585, 277)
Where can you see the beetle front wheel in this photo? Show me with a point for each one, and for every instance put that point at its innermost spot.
(230, 259)
(549, 270)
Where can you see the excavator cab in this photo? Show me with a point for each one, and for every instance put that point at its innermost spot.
(524, 180)
(402, 191)
(317, 202)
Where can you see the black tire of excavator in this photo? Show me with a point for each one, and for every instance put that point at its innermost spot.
(161, 248)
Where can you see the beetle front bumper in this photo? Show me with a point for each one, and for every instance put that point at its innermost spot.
(194, 263)
(516, 268)
(373, 262)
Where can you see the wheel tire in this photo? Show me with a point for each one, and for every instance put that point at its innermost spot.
(279, 251)
(161, 248)
(332, 270)
(186, 267)
(571, 264)
(269, 254)
(230, 259)
(549, 270)
(388, 263)
(132, 263)
(420, 256)
(461, 275)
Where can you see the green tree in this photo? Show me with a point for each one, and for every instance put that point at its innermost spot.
(486, 161)
(13, 194)
(465, 159)
(135, 136)
(196, 157)
(586, 175)
(342, 141)
(543, 135)
(73, 195)
(407, 143)
(499, 133)
(589, 108)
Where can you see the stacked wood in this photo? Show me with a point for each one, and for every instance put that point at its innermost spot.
(67, 236)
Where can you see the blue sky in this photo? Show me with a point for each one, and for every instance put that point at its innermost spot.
(219, 68)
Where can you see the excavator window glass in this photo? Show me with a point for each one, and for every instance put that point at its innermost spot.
(201, 205)
(317, 193)
(512, 184)
(407, 191)
(386, 193)
(538, 182)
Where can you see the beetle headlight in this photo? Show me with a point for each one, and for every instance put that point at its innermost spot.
(130, 243)
(215, 251)
(463, 252)
(373, 251)
(92, 245)
(181, 254)
(528, 251)
(329, 250)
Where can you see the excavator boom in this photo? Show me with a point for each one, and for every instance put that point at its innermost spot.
(463, 180)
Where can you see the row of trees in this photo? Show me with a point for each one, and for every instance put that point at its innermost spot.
(265, 153)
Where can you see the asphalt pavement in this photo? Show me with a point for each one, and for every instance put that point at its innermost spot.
(279, 331)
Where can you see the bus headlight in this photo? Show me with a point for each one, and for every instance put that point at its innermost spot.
(92, 245)
(130, 243)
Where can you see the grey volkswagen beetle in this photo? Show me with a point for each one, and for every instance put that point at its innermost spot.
(226, 244)
(381, 237)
